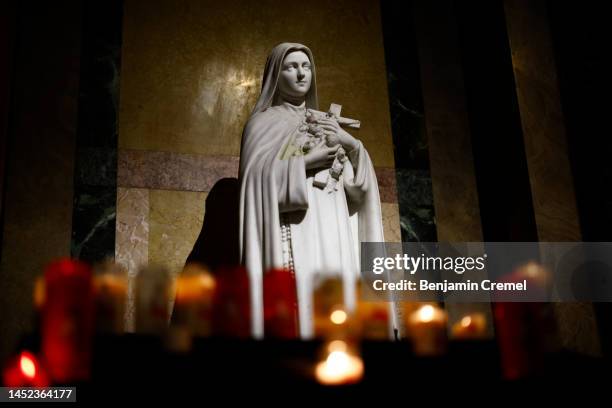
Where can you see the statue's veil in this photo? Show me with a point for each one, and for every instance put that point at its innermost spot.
(272, 70)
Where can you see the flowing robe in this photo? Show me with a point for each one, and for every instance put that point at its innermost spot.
(326, 228)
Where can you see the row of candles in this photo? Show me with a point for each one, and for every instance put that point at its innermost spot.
(73, 302)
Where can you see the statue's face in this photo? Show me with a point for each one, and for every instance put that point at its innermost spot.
(295, 75)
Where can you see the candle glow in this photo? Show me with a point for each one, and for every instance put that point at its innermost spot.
(426, 313)
(339, 368)
(338, 316)
(471, 326)
(27, 365)
(24, 370)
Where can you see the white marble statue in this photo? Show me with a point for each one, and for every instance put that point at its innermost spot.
(287, 219)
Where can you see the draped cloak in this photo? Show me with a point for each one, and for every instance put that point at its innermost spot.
(326, 228)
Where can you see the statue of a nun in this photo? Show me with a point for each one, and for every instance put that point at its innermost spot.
(285, 220)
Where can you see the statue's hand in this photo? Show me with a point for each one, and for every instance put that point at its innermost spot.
(320, 156)
(331, 128)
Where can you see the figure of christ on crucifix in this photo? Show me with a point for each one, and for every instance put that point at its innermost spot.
(312, 133)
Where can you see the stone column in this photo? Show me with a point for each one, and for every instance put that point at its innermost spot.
(546, 149)
(453, 176)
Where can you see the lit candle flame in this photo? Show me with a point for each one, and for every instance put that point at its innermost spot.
(340, 367)
(338, 316)
(27, 365)
(426, 313)
(472, 326)
(466, 321)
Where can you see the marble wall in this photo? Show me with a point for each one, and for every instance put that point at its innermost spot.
(95, 172)
(411, 153)
(191, 70)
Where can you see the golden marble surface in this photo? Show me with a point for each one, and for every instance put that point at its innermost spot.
(175, 219)
(191, 70)
(391, 222)
(132, 239)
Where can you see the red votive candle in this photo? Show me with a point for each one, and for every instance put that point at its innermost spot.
(280, 304)
(523, 328)
(67, 320)
(232, 309)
